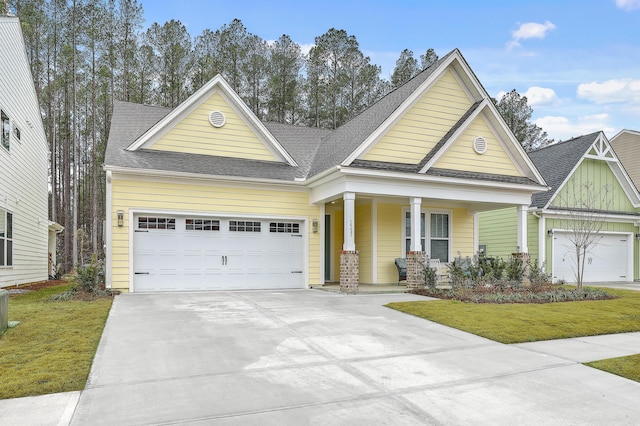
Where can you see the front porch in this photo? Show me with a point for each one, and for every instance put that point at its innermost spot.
(363, 234)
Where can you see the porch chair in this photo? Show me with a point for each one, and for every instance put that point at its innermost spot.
(401, 266)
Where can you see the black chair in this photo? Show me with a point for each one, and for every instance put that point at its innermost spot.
(401, 266)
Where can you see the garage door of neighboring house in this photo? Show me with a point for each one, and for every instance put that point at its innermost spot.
(177, 253)
(607, 260)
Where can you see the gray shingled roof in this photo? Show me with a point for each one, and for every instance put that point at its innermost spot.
(131, 120)
(314, 150)
(345, 139)
(556, 161)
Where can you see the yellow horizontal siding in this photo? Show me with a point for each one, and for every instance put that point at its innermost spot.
(461, 155)
(195, 135)
(389, 241)
(462, 238)
(338, 239)
(420, 128)
(363, 237)
(183, 197)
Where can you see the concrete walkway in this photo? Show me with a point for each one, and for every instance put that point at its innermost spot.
(315, 357)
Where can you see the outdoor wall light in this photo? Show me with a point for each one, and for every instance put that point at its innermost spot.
(550, 233)
(638, 237)
(314, 226)
(120, 218)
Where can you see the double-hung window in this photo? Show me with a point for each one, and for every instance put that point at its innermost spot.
(6, 238)
(435, 234)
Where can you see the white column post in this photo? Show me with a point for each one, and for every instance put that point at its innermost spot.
(349, 243)
(522, 228)
(415, 224)
(542, 240)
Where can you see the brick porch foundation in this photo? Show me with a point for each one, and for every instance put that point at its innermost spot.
(415, 277)
(349, 271)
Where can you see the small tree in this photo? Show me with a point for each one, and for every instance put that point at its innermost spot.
(586, 208)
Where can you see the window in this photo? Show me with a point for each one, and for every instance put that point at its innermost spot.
(439, 236)
(156, 223)
(243, 226)
(6, 238)
(284, 227)
(202, 225)
(6, 130)
(436, 242)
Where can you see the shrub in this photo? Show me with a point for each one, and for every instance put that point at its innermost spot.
(515, 269)
(90, 276)
(429, 274)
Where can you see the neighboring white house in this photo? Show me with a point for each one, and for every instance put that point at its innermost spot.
(24, 153)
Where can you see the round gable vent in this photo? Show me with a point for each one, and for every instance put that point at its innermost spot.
(480, 145)
(216, 118)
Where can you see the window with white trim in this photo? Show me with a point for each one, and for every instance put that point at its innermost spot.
(6, 238)
(435, 234)
(202, 225)
(5, 137)
(147, 222)
(244, 226)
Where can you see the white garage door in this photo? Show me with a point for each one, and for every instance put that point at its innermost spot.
(608, 260)
(175, 253)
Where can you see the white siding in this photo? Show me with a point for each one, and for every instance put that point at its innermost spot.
(24, 168)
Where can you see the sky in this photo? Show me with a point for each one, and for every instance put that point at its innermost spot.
(578, 62)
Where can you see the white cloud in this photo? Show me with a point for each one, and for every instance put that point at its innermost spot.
(563, 128)
(628, 5)
(305, 48)
(616, 90)
(539, 96)
(530, 30)
(536, 96)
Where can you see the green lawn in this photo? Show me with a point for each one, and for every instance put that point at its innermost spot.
(626, 366)
(52, 348)
(516, 323)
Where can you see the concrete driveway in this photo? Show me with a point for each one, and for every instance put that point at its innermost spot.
(313, 357)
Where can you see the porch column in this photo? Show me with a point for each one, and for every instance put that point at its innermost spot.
(415, 255)
(415, 225)
(522, 229)
(349, 260)
(349, 243)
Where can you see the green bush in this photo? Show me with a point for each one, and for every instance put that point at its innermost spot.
(429, 274)
(90, 276)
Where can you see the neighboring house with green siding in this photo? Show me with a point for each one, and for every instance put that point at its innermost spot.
(587, 182)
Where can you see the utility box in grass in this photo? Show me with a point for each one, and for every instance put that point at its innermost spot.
(4, 310)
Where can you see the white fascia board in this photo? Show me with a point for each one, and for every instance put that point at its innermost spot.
(567, 215)
(206, 179)
(401, 185)
(439, 179)
(625, 181)
(515, 144)
(453, 137)
(195, 100)
(400, 111)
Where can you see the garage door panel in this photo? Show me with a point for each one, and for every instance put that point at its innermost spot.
(215, 259)
(607, 260)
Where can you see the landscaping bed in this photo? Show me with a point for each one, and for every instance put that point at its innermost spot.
(546, 293)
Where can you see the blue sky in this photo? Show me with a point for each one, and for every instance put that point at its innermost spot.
(578, 62)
